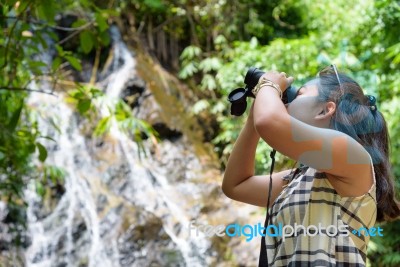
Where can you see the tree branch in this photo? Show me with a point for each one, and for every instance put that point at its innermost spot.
(26, 89)
(95, 66)
(66, 29)
(75, 32)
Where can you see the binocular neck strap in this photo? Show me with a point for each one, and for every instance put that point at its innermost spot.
(263, 261)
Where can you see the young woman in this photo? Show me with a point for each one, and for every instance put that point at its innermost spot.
(344, 186)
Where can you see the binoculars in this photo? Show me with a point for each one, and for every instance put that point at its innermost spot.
(238, 97)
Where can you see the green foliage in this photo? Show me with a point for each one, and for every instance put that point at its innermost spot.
(394, 53)
(82, 97)
(134, 128)
(120, 114)
(17, 144)
(67, 55)
(391, 110)
(384, 251)
(190, 61)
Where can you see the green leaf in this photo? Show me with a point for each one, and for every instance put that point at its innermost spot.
(36, 64)
(210, 64)
(200, 105)
(38, 41)
(53, 35)
(208, 82)
(78, 23)
(36, 67)
(85, 3)
(55, 173)
(40, 189)
(104, 38)
(60, 50)
(75, 63)
(394, 52)
(96, 92)
(101, 21)
(188, 70)
(56, 63)
(102, 126)
(86, 39)
(42, 152)
(31, 148)
(190, 52)
(15, 118)
(154, 4)
(46, 10)
(49, 138)
(84, 105)
(78, 94)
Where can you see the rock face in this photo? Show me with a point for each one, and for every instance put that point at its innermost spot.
(127, 205)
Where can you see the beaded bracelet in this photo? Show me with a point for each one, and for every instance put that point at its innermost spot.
(265, 82)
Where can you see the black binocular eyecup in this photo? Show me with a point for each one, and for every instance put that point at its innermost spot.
(238, 97)
(238, 100)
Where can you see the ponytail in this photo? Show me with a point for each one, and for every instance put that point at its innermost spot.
(388, 206)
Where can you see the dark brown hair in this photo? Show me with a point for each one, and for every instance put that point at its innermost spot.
(355, 117)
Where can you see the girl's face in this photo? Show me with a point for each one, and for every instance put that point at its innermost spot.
(305, 106)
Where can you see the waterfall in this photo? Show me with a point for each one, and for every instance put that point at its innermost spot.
(117, 209)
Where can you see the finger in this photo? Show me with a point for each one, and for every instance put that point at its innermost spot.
(290, 80)
(284, 74)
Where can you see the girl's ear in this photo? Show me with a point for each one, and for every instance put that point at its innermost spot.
(327, 110)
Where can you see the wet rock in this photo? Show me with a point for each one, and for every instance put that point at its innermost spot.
(166, 133)
(133, 92)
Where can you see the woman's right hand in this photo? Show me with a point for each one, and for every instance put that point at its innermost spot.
(279, 78)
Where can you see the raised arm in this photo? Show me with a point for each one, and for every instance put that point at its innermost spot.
(324, 149)
(239, 181)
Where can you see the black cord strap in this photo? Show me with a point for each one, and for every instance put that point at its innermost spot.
(263, 261)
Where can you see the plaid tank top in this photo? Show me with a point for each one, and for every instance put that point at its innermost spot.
(326, 229)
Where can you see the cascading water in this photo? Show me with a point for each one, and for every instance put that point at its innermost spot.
(117, 210)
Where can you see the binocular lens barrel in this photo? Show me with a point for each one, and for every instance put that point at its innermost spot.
(238, 96)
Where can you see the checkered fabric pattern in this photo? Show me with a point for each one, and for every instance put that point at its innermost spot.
(310, 199)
